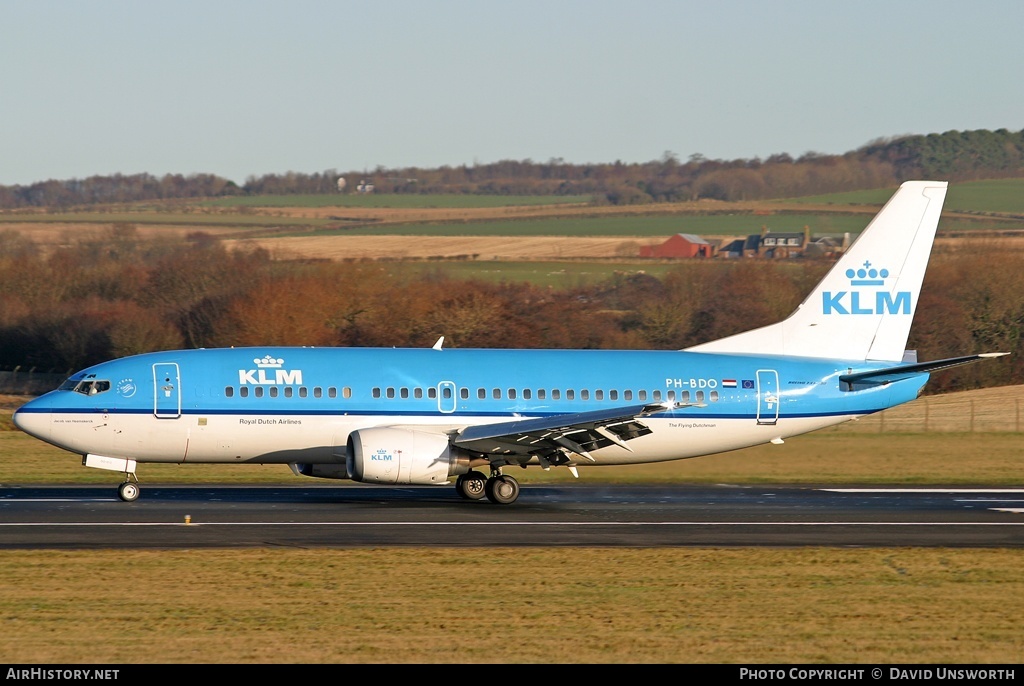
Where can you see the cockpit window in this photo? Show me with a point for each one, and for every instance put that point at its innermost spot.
(91, 387)
(69, 385)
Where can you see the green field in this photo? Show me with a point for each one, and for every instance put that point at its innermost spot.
(993, 195)
(980, 197)
(396, 200)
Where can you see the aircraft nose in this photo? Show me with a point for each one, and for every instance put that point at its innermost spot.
(35, 421)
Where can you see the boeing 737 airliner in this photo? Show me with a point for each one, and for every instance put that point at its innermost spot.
(424, 416)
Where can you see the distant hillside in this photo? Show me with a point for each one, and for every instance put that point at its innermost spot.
(953, 155)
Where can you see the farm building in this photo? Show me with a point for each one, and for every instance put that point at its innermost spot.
(680, 245)
(787, 244)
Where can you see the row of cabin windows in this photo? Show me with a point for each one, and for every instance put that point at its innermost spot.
(287, 392)
(543, 394)
(481, 393)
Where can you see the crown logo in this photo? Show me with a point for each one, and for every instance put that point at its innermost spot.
(867, 275)
(269, 362)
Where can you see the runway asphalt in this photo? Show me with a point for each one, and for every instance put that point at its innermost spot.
(350, 515)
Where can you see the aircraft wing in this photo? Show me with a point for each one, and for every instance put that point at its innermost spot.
(578, 433)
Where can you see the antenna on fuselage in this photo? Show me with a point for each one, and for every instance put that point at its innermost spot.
(440, 342)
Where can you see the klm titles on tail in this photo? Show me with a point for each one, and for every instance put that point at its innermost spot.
(849, 302)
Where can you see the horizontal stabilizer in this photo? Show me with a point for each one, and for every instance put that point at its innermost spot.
(890, 374)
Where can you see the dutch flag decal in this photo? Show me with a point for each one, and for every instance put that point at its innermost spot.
(729, 383)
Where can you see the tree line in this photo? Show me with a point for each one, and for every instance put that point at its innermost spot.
(953, 156)
(117, 295)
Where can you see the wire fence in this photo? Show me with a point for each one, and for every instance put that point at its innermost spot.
(946, 414)
(30, 382)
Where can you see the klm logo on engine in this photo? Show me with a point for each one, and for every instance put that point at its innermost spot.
(269, 372)
(860, 299)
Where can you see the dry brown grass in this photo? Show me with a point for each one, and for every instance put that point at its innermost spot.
(586, 605)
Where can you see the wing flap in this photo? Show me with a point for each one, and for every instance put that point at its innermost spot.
(578, 433)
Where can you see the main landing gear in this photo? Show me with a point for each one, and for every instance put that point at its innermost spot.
(499, 489)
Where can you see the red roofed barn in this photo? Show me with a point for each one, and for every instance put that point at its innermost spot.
(680, 245)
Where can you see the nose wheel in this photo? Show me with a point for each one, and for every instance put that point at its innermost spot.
(128, 491)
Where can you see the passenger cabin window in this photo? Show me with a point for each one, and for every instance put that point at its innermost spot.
(229, 391)
(273, 391)
(464, 393)
(258, 391)
(481, 393)
(346, 392)
(541, 394)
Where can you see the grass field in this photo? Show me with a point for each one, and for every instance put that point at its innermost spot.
(992, 195)
(396, 201)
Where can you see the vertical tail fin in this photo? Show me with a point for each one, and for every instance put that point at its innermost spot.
(863, 308)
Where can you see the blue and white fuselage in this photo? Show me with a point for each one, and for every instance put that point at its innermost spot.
(225, 406)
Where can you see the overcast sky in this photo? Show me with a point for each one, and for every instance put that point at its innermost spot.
(246, 88)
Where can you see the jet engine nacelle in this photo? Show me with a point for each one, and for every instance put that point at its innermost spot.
(403, 456)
